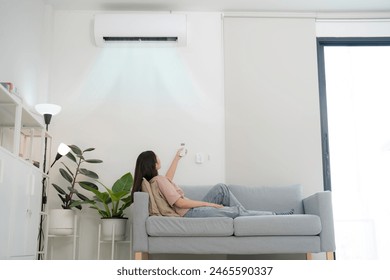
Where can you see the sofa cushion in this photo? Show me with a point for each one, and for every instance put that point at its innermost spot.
(277, 225)
(177, 226)
(267, 198)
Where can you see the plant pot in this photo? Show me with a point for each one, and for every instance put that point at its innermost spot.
(114, 226)
(61, 221)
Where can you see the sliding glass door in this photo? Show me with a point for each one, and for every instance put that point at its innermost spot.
(355, 108)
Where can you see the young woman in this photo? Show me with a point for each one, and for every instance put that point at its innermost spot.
(218, 202)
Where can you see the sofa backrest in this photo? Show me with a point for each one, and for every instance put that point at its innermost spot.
(266, 198)
(195, 192)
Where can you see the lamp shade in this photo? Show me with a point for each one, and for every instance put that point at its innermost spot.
(63, 149)
(48, 109)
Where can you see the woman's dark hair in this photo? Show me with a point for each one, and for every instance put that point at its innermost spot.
(145, 167)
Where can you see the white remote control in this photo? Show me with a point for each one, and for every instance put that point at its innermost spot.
(183, 152)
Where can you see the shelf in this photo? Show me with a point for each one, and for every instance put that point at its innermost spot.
(7, 114)
(21, 131)
(30, 120)
(8, 105)
(7, 97)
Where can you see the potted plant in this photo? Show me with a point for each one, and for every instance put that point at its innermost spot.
(110, 204)
(61, 221)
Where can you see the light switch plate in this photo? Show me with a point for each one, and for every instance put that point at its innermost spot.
(199, 158)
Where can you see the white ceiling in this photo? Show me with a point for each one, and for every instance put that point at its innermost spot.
(227, 5)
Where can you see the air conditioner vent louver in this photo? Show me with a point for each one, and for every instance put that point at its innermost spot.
(140, 29)
(135, 39)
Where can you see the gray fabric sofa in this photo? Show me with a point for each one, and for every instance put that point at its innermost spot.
(309, 230)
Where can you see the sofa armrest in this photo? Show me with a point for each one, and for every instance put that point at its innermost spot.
(140, 212)
(320, 204)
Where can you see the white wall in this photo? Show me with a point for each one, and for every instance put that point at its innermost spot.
(123, 101)
(368, 27)
(23, 46)
(272, 102)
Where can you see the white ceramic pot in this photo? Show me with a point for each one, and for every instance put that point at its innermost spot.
(61, 221)
(114, 226)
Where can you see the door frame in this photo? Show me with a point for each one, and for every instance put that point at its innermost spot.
(338, 42)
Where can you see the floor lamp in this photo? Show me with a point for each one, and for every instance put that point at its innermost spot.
(47, 111)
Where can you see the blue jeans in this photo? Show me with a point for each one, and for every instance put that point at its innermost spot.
(220, 194)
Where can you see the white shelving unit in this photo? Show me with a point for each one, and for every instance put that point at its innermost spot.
(21, 132)
(22, 136)
(114, 243)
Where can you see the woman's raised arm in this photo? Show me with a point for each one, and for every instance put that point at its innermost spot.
(172, 169)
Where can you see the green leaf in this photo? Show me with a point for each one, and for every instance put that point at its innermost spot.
(66, 175)
(102, 197)
(102, 213)
(118, 195)
(76, 150)
(90, 184)
(70, 172)
(124, 183)
(88, 150)
(93, 161)
(94, 207)
(83, 197)
(62, 198)
(127, 199)
(72, 190)
(76, 203)
(59, 189)
(88, 173)
(124, 206)
(71, 156)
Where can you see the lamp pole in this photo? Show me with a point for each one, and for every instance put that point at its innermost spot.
(47, 110)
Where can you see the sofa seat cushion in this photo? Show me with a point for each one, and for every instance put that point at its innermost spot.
(177, 226)
(277, 225)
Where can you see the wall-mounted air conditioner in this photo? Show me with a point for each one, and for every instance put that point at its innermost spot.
(140, 29)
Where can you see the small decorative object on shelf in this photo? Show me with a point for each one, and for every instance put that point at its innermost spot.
(8, 86)
(11, 89)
